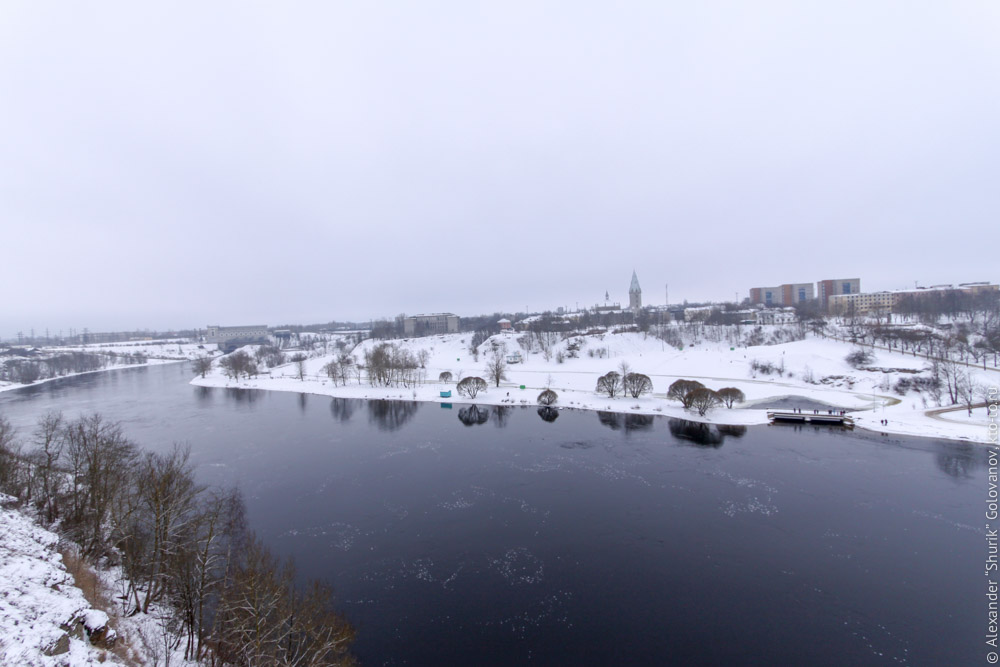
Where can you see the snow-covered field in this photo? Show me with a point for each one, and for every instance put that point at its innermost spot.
(814, 369)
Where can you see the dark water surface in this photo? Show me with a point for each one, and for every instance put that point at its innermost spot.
(474, 537)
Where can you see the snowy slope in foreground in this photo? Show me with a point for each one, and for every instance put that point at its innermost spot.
(37, 596)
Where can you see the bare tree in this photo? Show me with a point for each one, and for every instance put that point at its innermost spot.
(265, 621)
(987, 395)
(547, 397)
(49, 441)
(681, 390)
(471, 386)
(202, 365)
(166, 494)
(624, 369)
(332, 370)
(496, 365)
(951, 373)
(704, 399)
(444, 377)
(730, 395)
(299, 360)
(423, 356)
(968, 390)
(238, 363)
(101, 460)
(610, 384)
(636, 384)
(859, 358)
(10, 457)
(346, 363)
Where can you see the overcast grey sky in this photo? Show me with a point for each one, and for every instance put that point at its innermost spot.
(207, 162)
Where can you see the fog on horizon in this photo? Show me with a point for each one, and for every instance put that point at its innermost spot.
(176, 165)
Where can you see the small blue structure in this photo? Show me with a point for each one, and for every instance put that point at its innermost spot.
(446, 394)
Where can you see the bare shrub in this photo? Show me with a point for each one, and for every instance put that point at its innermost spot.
(637, 384)
(547, 397)
(730, 395)
(681, 391)
(610, 384)
(704, 399)
(471, 386)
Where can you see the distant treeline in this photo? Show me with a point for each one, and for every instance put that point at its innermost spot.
(28, 370)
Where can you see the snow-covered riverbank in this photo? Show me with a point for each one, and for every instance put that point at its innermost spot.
(8, 386)
(132, 354)
(813, 370)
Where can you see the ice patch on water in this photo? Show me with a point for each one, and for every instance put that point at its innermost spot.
(520, 503)
(550, 609)
(392, 570)
(878, 639)
(459, 503)
(519, 567)
(751, 506)
(744, 482)
(961, 526)
(611, 471)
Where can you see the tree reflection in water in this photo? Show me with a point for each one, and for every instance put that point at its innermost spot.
(391, 415)
(238, 395)
(638, 422)
(612, 420)
(630, 422)
(341, 409)
(957, 460)
(204, 395)
(733, 430)
(548, 414)
(501, 414)
(707, 435)
(473, 415)
(303, 401)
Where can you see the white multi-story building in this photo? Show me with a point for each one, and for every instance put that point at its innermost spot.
(884, 302)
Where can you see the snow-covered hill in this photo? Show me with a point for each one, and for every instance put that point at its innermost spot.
(42, 612)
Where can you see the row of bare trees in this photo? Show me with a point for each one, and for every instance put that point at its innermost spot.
(342, 368)
(238, 364)
(390, 365)
(625, 382)
(693, 394)
(184, 550)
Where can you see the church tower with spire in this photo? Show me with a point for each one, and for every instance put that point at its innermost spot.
(635, 294)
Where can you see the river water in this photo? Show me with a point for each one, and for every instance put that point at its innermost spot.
(464, 537)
